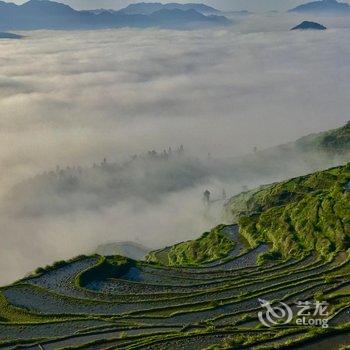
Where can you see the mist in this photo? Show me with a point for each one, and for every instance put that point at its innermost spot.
(72, 99)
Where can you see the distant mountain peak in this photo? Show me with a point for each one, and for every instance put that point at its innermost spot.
(46, 7)
(9, 36)
(307, 25)
(323, 7)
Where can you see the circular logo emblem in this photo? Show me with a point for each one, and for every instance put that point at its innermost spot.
(279, 314)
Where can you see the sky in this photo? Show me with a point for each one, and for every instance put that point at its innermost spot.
(252, 5)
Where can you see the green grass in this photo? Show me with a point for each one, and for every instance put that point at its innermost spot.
(106, 267)
(301, 215)
(212, 246)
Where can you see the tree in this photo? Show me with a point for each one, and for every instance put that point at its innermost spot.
(206, 197)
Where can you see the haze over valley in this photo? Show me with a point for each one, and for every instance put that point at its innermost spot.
(74, 98)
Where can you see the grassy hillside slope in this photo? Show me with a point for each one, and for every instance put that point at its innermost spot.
(333, 141)
(209, 247)
(294, 218)
(298, 215)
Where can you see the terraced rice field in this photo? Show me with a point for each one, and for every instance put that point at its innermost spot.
(280, 281)
(141, 305)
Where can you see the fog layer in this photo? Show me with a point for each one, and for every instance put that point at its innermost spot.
(75, 98)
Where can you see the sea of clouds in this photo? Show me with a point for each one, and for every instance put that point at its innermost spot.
(74, 98)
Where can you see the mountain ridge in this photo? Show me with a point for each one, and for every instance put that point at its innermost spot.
(45, 14)
(150, 7)
(287, 213)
